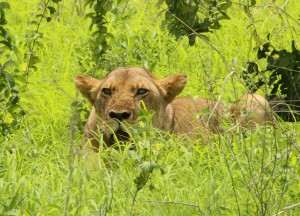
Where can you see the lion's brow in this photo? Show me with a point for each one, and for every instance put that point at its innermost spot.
(125, 72)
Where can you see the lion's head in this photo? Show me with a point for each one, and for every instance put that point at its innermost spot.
(117, 98)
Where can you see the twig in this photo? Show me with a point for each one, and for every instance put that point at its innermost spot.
(138, 188)
(287, 208)
(283, 11)
(220, 95)
(34, 41)
(232, 181)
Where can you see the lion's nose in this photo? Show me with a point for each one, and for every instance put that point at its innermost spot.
(120, 116)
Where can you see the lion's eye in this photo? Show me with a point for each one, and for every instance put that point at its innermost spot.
(106, 91)
(141, 91)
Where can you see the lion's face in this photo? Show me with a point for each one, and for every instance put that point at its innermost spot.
(117, 98)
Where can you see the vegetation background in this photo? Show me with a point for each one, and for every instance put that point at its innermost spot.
(257, 174)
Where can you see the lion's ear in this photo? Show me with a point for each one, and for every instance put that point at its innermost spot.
(173, 86)
(88, 86)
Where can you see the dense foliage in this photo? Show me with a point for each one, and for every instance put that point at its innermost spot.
(45, 44)
(98, 42)
(182, 18)
(12, 77)
(11, 112)
(283, 79)
(191, 18)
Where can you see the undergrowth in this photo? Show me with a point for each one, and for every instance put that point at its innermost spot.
(240, 173)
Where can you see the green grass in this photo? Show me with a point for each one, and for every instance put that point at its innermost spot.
(39, 175)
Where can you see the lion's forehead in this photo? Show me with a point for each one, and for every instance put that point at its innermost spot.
(130, 79)
(127, 71)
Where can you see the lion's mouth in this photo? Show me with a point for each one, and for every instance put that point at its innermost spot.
(120, 135)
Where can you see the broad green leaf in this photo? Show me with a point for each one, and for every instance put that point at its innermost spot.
(34, 60)
(51, 9)
(15, 99)
(9, 79)
(5, 5)
(2, 85)
(3, 32)
(6, 43)
(9, 63)
(34, 22)
(2, 17)
(224, 5)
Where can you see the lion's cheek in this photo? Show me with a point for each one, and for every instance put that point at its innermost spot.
(151, 103)
(100, 108)
(157, 105)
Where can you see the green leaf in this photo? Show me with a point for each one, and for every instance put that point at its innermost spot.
(223, 17)
(33, 67)
(23, 112)
(252, 68)
(107, 5)
(284, 62)
(9, 79)
(2, 14)
(51, 9)
(295, 52)
(192, 39)
(10, 62)
(3, 32)
(56, 1)
(4, 5)
(15, 99)
(14, 90)
(6, 43)
(261, 53)
(2, 86)
(224, 5)
(34, 60)
(6, 92)
(34, 22)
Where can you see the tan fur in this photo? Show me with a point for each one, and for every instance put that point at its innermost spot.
(182, 115)
(252, 109)
(196, 117)
(119, 96)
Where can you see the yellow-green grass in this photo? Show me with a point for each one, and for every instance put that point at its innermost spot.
(256, 174)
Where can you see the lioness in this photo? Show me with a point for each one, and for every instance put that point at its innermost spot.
(117, 97)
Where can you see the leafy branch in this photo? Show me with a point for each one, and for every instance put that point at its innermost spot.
(146, 166)
(201, 16)
(99, 44)
(11, 112)
(47, 12)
